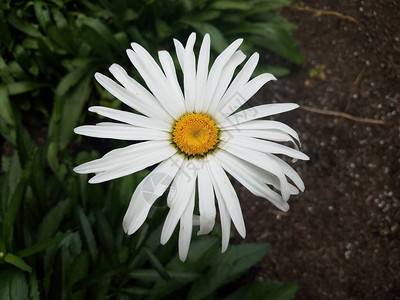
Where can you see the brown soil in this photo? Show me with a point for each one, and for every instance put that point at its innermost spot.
(341, 237)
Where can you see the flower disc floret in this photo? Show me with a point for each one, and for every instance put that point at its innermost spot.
(195, 134)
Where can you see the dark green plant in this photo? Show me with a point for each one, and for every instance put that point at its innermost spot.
(50, 50)
(63, 239)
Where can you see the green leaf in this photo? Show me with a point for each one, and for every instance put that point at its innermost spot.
(102, 275)
(17, 88)
(14, 172)
(71, 248)
(5, 74)
(218, 41)
(53, 219)
(42, 13)
(227, 267)
(246, 256)
(163, 29)
(22, 25)
(266, 289)
(78, 271)
(6, 112)
(87, 234)
(38, 178)
(13, 285)
(26, 145)
(13, 209)
(106, 236)
(5, 35)
(157, 264)
(17, 262)
(274, 38)
(277, 71)
(207, 15)
(61, 33)
(71, 79)
(98, 44)
(268, 5)
(153, 275)
(142, 235)
(216, 276)
(72, 105)
(234, 5)
(137, 291)
(39, 247)
(59, 41)
(201, 256)
(103, 31)
(52, 156)
(34, 293)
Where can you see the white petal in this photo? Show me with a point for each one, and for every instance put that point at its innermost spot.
(135, 164)
(206, 202)
(264, 125)
(202, 73)
(147, 192)
(154, 78)
(240, 80)
(178, 198)
(170, 72)
(189, 73)
(289, 172)
(267, 134)
(180, 52)
(226, 76)
(243, 95)
(257, 112)
(264, 146)
(225, 220)
(119, 157)
(147, 100)
(121, 132)
(246, 174)
(216, 70)
(222, 183)
(262, 161)
(130, 99)
(130, 118)
(186, 227)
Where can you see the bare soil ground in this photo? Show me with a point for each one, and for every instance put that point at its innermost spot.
(341, 237)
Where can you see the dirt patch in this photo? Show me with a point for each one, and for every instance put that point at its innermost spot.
(341, 238)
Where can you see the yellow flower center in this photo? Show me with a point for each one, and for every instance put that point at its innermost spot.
(195, 134)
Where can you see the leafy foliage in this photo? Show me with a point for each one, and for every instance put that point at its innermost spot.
(70, 245)
(61, 238)
(50, 50)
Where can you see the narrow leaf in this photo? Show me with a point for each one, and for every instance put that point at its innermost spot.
(72, 106)
(88, 235)
(39, 247)
(16, 88)
(232, 5)
(6, 112)
(13, 209)
(157, 264)
(52, 220)
(71, 79)
(26, 145)
(24, 26)
(17, 262)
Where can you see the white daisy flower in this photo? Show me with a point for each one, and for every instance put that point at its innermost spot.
(196, 137)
